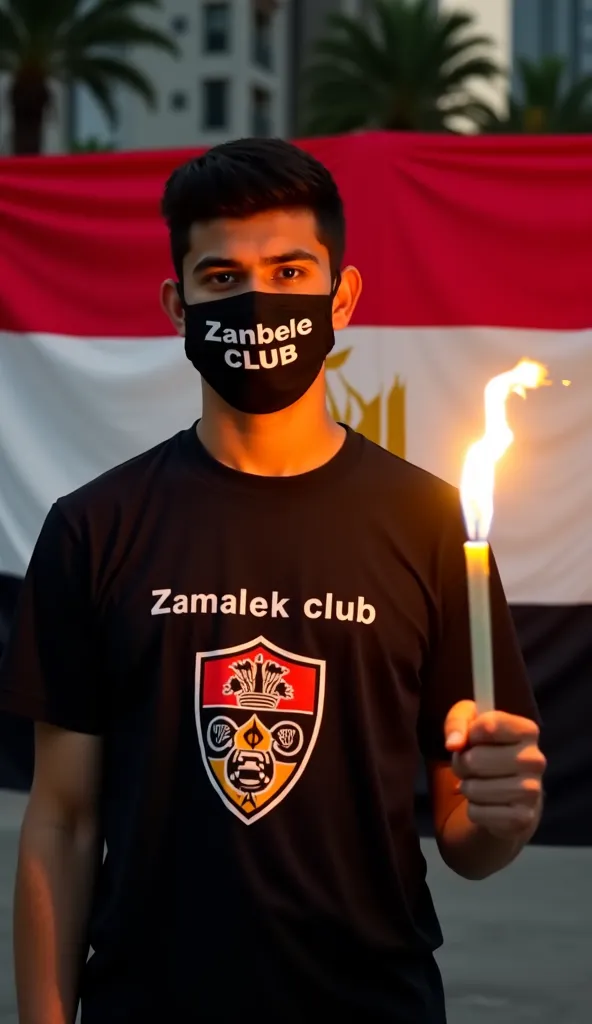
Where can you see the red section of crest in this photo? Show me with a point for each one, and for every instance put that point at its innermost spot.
(301, 677)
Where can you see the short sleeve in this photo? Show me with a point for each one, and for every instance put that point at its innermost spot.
(49, 671)
(448, 677)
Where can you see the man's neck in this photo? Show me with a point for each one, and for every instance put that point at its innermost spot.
(287, 443)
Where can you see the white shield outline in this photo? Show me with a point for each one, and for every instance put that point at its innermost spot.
(203, 656)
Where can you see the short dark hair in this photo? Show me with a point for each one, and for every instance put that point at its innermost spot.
(249, 176)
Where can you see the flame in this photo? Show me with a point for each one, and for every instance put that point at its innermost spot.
(478, 476)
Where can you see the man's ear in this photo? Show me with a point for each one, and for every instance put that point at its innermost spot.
(170, 301)
(346, 297)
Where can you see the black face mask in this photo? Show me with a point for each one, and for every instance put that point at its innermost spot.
(260, 352)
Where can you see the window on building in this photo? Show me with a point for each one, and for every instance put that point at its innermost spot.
(178, 100)
(179, 24)
(216, 28)
(215, 104)
(261, 113)
(262, 37)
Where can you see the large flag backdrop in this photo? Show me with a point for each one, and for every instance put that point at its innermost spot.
(474, 252)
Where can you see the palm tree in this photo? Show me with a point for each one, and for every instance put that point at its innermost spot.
(547, 105)
(407, 67)
(70, 41)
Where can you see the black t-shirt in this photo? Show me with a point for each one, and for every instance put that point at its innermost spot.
(266, 659)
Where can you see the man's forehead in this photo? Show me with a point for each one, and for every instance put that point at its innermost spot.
(264, 234)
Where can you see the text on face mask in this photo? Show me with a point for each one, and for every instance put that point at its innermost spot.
(267, 360)
(260, 336)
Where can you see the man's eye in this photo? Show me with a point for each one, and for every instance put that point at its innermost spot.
(289, 273)
(224, 277)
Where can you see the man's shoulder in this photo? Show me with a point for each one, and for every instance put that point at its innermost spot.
(388, 472)
(125, 484)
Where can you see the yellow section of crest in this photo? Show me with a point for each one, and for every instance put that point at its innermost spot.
(280, 776)
(253, 736)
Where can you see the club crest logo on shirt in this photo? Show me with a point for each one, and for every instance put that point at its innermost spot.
(258, 712)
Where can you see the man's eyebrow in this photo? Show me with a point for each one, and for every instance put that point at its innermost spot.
(294, 256)
(216, 263)
(224, 263)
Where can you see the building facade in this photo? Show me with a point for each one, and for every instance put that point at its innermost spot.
(239, 74)
(543, 28)
(231, 78)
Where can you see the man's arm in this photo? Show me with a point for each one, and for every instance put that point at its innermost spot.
(52, 673)
(58, 856)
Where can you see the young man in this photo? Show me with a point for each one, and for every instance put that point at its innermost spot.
(236, 647)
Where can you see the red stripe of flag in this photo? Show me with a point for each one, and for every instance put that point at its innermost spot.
(446, 231)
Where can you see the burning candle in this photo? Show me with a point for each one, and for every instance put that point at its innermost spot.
(476, 490)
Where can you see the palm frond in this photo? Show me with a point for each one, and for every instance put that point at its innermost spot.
(111, 71)
(11, 37)
(466, 48)
(473, 67)
(350, 43)
(574, 107)
(100, 10)
(387, 19)
(477, 112)
(129, 7)
(542, 82)
(116, 30)
(101, 90)
(446, 35)
(41, 19)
